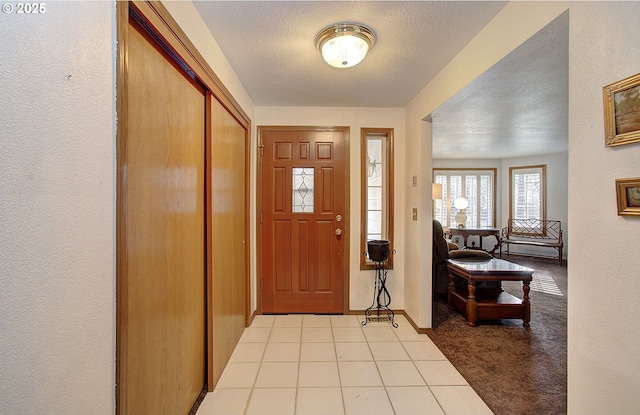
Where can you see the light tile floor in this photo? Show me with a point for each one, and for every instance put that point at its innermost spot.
(332, 365)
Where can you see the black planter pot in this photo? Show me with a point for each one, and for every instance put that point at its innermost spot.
(378, 250)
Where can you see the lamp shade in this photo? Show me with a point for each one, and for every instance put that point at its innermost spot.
(344, 45)
(436, 191)
(461, 203)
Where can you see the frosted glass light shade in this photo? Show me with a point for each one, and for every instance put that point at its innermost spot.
(344, 45)
(461, 203)
(344, 51)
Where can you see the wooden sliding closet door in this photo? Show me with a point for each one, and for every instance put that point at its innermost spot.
(163, 315)
(229, 238)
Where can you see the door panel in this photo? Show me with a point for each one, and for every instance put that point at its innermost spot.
(303, 189)
(163, 321)
(227, 246)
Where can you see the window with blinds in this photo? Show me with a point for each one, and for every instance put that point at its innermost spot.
(475, 185)
(527, 192)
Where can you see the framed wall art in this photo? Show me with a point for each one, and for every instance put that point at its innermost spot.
(628, 195)
(622, 111)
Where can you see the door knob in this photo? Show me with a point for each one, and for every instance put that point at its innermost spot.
(338, 232)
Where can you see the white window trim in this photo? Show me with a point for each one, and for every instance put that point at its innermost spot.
(538, 169)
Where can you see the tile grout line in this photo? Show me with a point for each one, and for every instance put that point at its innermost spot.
(373, 338)
(295, 395)
(264, 352)
(335, 351)
(384, 386)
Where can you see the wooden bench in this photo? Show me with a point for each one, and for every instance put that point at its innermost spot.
(533, 232)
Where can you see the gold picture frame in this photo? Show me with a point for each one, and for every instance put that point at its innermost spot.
(628, 195)
(622, 111)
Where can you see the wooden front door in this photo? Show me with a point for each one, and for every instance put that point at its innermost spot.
(303, 219)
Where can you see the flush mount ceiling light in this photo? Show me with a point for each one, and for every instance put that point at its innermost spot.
(344, 45)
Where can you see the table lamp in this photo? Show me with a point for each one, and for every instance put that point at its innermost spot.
(461, 217)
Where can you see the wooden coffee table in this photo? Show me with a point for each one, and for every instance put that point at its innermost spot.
(489, 304)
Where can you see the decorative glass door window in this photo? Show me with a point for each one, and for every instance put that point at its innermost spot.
(302, 188)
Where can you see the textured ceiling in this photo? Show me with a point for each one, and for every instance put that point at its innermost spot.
(517, 108)
(270, 46)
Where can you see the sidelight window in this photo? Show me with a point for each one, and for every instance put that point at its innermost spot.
(377, 190)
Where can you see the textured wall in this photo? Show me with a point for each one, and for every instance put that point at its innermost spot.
(604, 263)
(57, 210)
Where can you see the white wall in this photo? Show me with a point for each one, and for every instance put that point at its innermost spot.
(467, 164)
(57, 210)
(361, 282)
(604, 267)
(418, 235)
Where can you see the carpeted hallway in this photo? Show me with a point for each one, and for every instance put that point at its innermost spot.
(515, 370)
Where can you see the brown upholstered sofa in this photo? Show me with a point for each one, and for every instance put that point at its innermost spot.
(439, 274)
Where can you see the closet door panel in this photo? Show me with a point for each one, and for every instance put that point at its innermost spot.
(164, 321)
(229, 239)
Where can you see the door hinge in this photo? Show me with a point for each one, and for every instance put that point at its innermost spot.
(261, 218)
(261, 148)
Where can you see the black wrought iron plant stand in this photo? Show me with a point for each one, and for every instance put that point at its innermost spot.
(379, 310)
